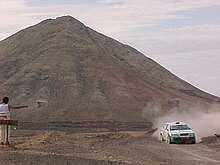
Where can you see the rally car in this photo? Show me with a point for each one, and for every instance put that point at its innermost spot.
(177, 132)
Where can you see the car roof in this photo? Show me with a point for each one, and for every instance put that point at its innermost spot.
(177, 123)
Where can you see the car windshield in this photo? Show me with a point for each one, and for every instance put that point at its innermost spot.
(179, 127)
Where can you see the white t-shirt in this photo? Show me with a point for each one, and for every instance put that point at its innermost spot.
(4, 108)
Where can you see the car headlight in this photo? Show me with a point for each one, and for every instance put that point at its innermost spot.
(191, 134)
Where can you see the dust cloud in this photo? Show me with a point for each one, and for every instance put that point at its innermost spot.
(202, 123)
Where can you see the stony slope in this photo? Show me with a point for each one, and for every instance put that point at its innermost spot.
(85, 75)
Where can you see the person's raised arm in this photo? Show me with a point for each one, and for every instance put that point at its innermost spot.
(17, 107)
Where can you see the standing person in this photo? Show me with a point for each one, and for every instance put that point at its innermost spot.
(5, 114)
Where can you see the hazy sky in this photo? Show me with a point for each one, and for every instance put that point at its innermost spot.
(181, 35)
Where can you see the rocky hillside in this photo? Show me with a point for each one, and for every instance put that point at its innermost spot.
(84, 75)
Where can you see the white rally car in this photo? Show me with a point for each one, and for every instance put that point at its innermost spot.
(177, 132)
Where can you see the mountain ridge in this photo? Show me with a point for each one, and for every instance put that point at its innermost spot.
(85, 75)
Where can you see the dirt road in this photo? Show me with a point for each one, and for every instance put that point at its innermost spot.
(135, 147)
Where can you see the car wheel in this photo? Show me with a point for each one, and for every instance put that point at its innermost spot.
(161, 138)
(169, 140)
(194, 142)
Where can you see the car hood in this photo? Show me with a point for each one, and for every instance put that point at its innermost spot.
(181, 131)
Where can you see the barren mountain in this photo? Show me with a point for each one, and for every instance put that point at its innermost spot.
(85, 75)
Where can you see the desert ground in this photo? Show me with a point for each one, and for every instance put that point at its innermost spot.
(101, 143)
